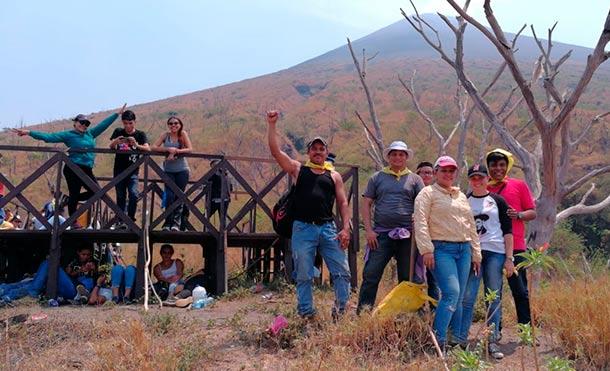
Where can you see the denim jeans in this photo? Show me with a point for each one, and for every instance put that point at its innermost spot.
(123, 277)
(376, 263)
(181, 179)
(491, 272)
(127, 186)
(451, 268)
(33, 288)
(306, 240)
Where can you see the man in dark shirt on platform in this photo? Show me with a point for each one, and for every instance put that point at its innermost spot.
(317, 186)
(126, 139)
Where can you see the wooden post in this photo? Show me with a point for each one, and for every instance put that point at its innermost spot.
(55, 246)
(354, 246)
(221, 240)
(141, 257)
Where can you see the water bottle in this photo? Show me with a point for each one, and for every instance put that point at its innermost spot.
(202, 303)
(199, 293)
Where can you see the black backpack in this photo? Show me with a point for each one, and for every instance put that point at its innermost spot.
(283, 214)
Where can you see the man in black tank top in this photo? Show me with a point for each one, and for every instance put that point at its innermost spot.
(317, 187)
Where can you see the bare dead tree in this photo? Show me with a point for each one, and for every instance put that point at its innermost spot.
(465, 114)
(375, 139)
(443, 141)
(555, 145)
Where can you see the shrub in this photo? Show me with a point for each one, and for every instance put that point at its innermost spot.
(578, 312)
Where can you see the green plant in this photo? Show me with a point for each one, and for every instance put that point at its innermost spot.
(468, 360)
(560, 364)
(524, 331)
(161, 323)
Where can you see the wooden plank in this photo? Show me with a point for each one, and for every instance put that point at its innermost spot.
(182, 198)
(101, 193)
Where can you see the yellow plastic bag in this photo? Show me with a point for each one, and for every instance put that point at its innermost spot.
(405, 297)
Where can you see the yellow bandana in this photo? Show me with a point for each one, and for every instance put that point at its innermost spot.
(404, 172)
(327, 166)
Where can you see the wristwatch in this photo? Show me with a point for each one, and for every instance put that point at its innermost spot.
(519, 215)
(512, 258)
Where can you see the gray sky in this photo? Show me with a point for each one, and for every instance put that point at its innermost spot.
(64, 57)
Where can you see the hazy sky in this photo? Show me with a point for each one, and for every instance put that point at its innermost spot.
(59, 58)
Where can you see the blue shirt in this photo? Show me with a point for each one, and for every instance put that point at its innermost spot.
(77, 140)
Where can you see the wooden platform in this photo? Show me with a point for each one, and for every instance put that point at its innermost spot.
(236, 240)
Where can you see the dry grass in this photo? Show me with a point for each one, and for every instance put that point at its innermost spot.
(578, 314)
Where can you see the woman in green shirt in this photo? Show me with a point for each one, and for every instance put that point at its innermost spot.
(80, 137)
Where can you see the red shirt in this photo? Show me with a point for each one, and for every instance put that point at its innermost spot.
(519, 197)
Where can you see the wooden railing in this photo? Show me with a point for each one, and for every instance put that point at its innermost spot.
(248, 227)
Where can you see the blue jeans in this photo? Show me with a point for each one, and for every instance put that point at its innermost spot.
(33, 288)
(127, 186)
(306, 240)
(122, 277)
(181, 179)
(376, 263)
(451, 268)
(491, 272)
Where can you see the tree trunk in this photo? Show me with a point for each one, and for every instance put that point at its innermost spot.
(541, 229)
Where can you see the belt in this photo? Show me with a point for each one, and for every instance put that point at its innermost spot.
(315, 222)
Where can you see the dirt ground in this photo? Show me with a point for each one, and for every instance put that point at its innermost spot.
(229, 335)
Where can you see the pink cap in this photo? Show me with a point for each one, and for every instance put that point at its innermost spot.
(445, 161)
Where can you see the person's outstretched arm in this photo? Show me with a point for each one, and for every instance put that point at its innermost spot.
(99, 128)
(287, 164)
(58, 137)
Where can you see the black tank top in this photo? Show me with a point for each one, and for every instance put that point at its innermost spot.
(314, 196)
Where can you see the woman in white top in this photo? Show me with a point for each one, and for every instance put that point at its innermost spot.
(169, 273)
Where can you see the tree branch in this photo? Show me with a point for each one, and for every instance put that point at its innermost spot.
(585, 178)
(498, 39)
(376, 146)
(581, 208)
(594, 60)
(411, 91)
(585, 130)
(361, 74)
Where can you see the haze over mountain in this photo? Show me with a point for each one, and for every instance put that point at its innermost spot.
(320, 96)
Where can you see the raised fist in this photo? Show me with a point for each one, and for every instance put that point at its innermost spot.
(272, 116)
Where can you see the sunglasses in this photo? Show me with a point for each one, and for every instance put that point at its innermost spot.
(85, 123)
(173, 123)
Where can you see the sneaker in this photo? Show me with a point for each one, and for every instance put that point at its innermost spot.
(183, 294)
(336, 314)
(115, 299)
(82, 291)
(494, 351)
(175, 228)
(454, 344)
(184, 302)
(166, 228)
(127, 301)
(309, 316)
(170, 301)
